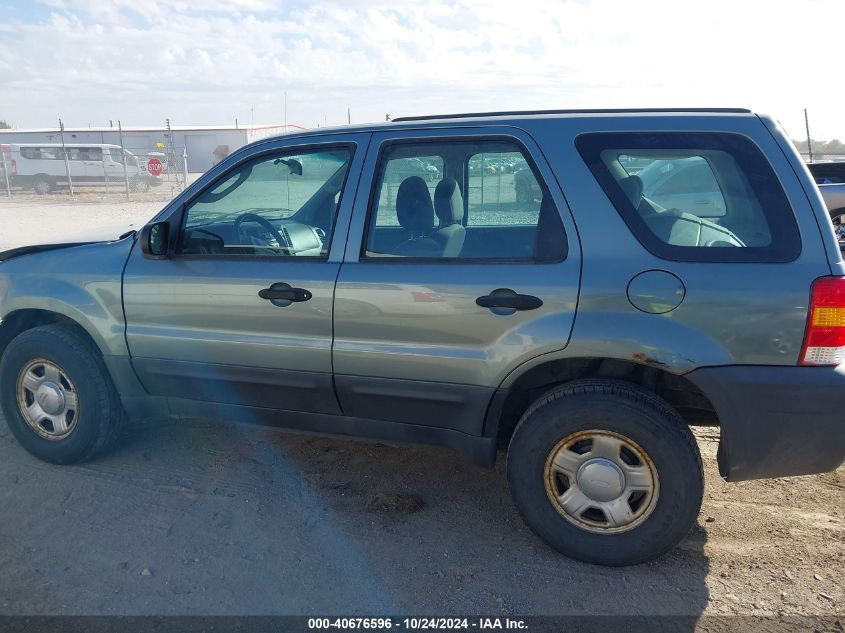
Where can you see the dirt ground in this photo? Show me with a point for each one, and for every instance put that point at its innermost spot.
(27, 218)
(214, 518)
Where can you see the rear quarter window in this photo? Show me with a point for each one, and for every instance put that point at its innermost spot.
(703, 197)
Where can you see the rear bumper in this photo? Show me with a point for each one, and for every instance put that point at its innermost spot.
(776, 421)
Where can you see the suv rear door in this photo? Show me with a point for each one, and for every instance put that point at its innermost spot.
(412, 343)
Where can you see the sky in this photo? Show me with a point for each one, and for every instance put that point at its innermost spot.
(142, 61)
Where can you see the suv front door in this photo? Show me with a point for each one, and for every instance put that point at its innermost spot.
(241, 312)
(423, 329)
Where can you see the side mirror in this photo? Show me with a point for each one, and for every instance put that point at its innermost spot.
(155, 239)
(295, 167)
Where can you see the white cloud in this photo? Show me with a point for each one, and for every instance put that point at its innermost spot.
(143, 61)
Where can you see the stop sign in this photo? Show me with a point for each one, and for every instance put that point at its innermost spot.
(154, 167)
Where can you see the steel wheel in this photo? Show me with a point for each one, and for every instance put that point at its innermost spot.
(42, 186)
(47, 399)
(602, 482)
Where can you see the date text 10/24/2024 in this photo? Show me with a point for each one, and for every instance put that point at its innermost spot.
(416, 624)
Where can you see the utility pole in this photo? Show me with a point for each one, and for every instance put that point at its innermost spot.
(809, 142)
(123, 156)
(64, 153)
(348, 116)
(286, 110)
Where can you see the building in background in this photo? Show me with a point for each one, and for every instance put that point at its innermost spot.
(205, 145)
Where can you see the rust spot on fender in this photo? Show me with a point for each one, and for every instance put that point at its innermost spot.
(645, 359)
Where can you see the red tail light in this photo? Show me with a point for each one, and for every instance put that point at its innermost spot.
(824, 339)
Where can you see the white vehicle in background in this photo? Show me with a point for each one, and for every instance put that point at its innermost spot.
(834, 198)
(41, 166)
(683, 183)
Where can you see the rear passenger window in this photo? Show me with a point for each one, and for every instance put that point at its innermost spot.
(462, 200)
(695, 196)
(502, 190)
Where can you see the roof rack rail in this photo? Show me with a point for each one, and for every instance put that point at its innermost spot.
(466, 115)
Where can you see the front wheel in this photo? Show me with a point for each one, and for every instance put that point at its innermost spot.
(605, 472)
(57, 396)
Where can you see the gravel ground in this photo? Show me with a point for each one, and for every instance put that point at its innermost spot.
(27, 219)
(213, 518)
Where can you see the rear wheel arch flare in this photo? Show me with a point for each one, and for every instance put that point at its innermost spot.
(679, 392)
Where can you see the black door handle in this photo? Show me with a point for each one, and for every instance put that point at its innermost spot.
(281, 291)
(507, 298)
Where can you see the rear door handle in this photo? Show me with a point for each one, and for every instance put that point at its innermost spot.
(507, 298)
(284, 294)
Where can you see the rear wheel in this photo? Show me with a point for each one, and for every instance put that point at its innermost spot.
(42, 185)
(57, 396)
(605, 472)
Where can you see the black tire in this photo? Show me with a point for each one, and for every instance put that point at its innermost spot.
(42, 185)
(626, 410)
(101, 414)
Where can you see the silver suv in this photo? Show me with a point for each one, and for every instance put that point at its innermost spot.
(314, 281)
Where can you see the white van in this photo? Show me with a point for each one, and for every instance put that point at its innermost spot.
(41, 166)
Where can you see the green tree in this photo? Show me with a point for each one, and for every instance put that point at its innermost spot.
(822, 148)
(4, 125)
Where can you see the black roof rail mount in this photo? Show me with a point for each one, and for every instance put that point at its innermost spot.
(467, 115)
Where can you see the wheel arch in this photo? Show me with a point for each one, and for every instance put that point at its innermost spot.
(19, 321)
(692, 405)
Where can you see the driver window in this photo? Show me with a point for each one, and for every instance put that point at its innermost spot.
(281, 204)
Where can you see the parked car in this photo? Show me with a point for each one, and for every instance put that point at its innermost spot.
(828, 172)
(41, 166)
(526, 186)
(834, 198)
(415, 166)
(583, 337)
(688, 184)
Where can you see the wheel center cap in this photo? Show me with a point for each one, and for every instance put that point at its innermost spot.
(600, 479)
(50, 398)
